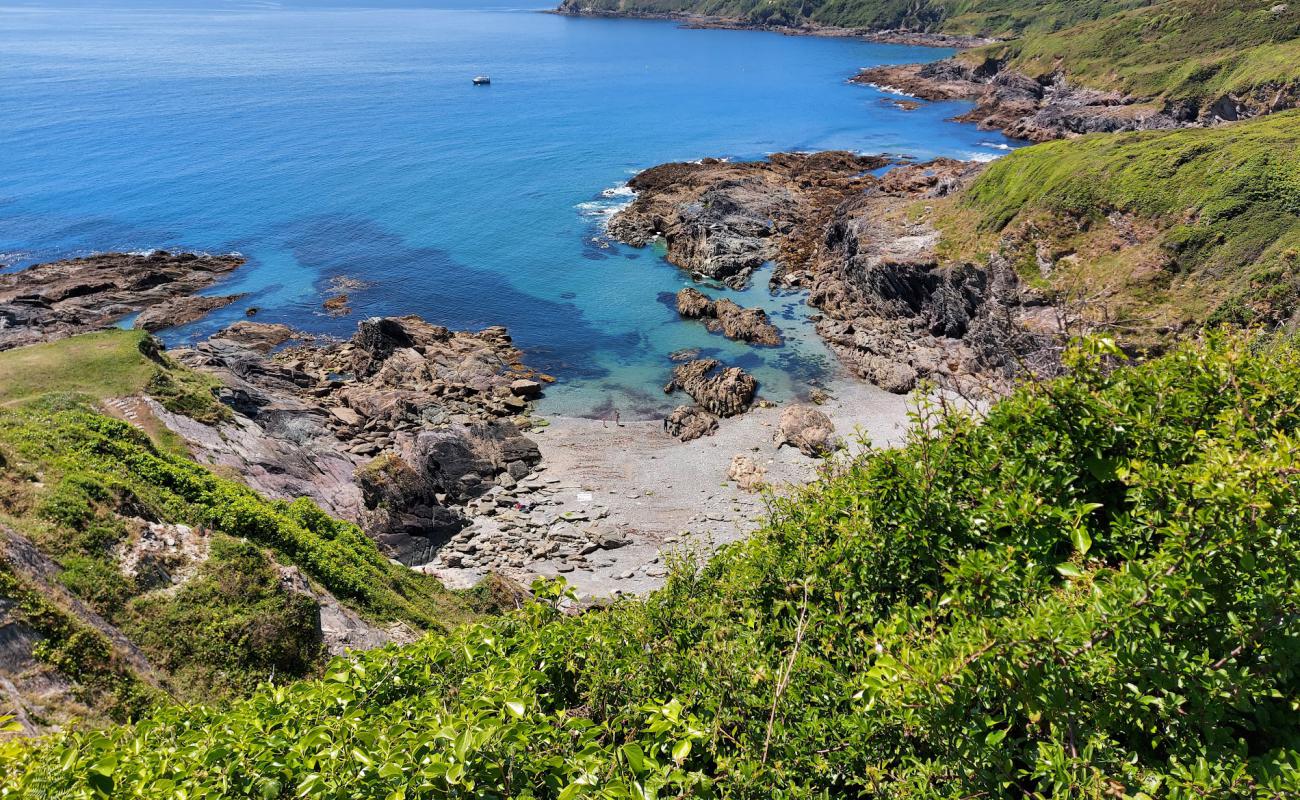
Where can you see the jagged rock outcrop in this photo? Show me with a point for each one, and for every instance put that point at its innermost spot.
(395, 429)
(807, 429)
(726, 317)
(688, 423)
(52, 301)
(896, 315)
(725, 391)
(1050, 107)
(723, 220)
(342, 629)
(181, 311)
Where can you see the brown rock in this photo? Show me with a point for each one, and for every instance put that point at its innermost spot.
(807, 429)
(748, 474)
(725, 317)
(725, 391)
(263, 337)
(689, 422)
(51, 301)
(180, 311)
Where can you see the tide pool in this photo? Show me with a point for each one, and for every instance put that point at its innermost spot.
(333, 140)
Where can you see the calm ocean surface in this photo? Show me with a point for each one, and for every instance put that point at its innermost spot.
(326, 140)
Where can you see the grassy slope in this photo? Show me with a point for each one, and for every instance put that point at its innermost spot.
(1092, 593)
(1216, 212)
(1194, 50)
(71, 478)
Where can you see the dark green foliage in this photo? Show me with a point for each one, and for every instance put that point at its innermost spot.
(1092, 592)
(982, 17)
(230, 627)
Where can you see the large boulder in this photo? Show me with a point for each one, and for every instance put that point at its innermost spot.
(808, 429)
(690, 422)
(725, 391)
(725, 317)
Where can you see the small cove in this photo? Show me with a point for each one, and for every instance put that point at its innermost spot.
(324, 142)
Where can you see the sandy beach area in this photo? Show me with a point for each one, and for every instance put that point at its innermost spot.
(635, 486)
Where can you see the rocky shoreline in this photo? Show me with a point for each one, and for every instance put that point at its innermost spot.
(1049, 107)
(52, 301)
(427, 438)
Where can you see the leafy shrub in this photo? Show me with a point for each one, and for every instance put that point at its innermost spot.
(1091, 592)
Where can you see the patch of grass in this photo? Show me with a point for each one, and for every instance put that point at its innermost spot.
(108, 364)
(101, 365)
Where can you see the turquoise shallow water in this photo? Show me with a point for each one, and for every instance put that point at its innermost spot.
(327, 140)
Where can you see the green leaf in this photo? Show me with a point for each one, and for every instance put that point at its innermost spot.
(1069, 570)
(681, 750)
(635, 756)
(1081, 540)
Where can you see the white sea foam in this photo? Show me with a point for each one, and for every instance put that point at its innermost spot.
(618, 191)
(996, 146)
(982, 157)
(887, 89)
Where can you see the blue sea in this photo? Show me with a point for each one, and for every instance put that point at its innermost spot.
(343, 141)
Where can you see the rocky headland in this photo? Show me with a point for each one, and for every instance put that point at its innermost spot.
(580, 8)
(834, 227)
(52, 301)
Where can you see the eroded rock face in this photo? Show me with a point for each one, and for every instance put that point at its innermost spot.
(52, 301)
(807, 429)
(726, 317)
(725, 391)
(891, 312)
(688, 423)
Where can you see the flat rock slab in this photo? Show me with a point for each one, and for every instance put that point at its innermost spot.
(52, 301)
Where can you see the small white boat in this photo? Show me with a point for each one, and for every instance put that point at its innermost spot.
(482, 80)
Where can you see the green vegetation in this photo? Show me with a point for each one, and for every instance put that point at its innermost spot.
(1167, 229)
(974, 17)
(84, 487)
(112, 363)
(1092, 592)
(1195, 51)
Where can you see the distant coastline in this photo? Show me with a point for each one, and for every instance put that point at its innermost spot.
(703, 21)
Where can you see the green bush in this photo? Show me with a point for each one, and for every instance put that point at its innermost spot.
(1093, 591)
